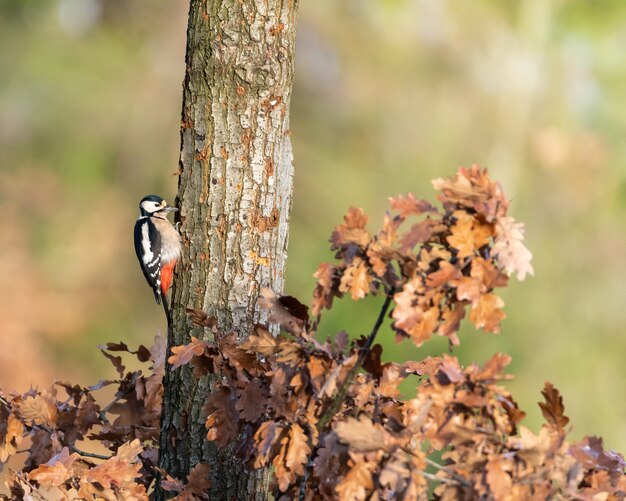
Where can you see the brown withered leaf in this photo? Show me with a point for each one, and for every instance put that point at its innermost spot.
(260, 341)
(116, 361)
(298, 451)
(325, 288)
(253, 399)
(410, 206)
(358, 482)
(451, 368)
(447, 273)
(552, 408)
(591, 454)
(183, 354)
(58, 470)
(499, 480)
(419, 233)
(87, 415)
(222, 416)
(469, 289)
(353, 231)
(197, 486)
(362, 434)
(392, 376)
(264, 439)
(317, 371)
(11, 436)
(290, 314)
(201, 318)
(395, 475)
(486, 272)
(356, 279)
(462, 237)
(40, 409)
(407, 312)
(451, 322)
(123, 468)
(473, 189)
(492, 370)
(487, 313)
(372, 362)
(423, 330)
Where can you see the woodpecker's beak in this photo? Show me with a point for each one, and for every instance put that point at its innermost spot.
(169, 208)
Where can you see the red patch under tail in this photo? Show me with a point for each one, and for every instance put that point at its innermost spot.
(166, 276)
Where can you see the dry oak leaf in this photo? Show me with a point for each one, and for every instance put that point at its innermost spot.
(261, 341)
(286, 311)
(198, 484)
(183, 354)
(510, 250)
(362, 434)
(407, 312)
(358, 482)
(252, 400)
(12, 433)
(487, 313)
(499, 480)
(223, 418)
(446, 273)
(463, 238)
(264, 439)
(40, 409)
(533, 448)
(298, 451)
(58, 470)
(493, 368)
(322, 295)
(553, 409)
(353, 231)
(284, 474)
(419, 233)
(356, 279)
(123, 468)
(474, 189)
(410, 206)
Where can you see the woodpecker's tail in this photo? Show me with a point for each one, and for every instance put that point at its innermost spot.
(168, 315)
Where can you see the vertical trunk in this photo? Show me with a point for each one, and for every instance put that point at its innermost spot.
(234, 196)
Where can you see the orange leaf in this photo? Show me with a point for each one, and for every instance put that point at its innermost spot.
(487, 313)
(39, 410)
(182, 355)
(553, 409)
(356, 279)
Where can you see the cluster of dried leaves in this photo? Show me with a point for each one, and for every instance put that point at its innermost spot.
(328, 417)
(72, 447)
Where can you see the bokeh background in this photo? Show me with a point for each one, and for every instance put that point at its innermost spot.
(388, 95)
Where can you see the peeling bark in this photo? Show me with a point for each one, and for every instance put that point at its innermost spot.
(234, 195)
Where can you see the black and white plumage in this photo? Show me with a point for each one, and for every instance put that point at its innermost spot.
(157, 244)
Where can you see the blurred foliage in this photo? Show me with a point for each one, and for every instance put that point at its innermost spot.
(389, 94)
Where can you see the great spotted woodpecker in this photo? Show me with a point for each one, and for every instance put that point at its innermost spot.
(158, 245)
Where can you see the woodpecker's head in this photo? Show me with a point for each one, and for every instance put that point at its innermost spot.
(153, 205)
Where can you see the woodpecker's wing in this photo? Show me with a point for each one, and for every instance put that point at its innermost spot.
(148, 250)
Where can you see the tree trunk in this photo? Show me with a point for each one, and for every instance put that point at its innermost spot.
(234, 195)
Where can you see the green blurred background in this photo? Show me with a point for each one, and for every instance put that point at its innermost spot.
(388, 95)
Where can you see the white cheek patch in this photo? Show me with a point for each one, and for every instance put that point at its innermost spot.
(145, 243)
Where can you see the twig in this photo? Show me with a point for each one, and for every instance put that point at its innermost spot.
(340, 396)
(85, 453)
(443, 480)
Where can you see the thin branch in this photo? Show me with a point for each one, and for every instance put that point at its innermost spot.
(87, 454)
(340, 396)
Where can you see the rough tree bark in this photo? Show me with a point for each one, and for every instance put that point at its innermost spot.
(234, 195)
